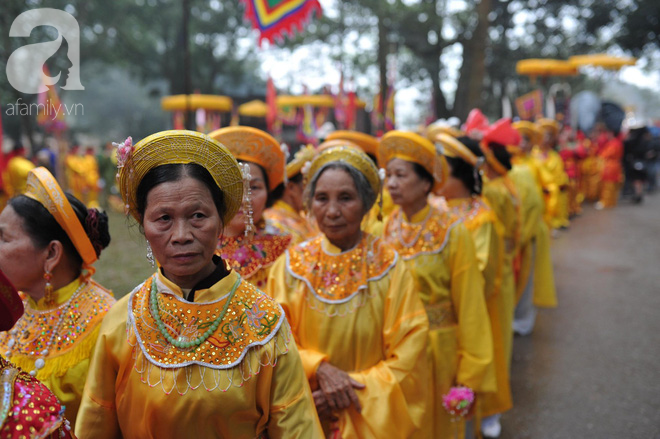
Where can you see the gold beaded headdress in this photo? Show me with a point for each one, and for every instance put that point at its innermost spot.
(304, 155)
(256, 146)
(350, 156)
(455, 148)
(414, 148)
(548, 124)
(179, 147)
(337, 142)
(433, 130)
(367, 143)
(528, 129)
(42, 187)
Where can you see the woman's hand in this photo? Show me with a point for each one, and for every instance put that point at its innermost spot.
(322, 407)
(337, 387)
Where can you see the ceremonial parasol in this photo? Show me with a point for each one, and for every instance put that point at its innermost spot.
(603, 60)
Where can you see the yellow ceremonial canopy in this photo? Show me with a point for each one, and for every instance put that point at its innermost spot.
(545, 67)
(603, 60)
(195, 102)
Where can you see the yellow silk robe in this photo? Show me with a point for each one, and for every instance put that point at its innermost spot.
(244, 381)
(91, 175)
(555, 187)
(532, 207)
(287, 221)
(503, 199)
(440, 252)
(67, 362)
(253, 257)
(481, 222)
(371, 224)
(359, 311)
(15, 175)
(545, 294)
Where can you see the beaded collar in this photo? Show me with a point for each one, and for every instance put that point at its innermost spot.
(248, 256)
(251, 319)
(74, 321)
(335, 278)
(473, 211)
(426, 237)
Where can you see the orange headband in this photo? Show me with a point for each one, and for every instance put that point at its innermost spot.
(42, 187)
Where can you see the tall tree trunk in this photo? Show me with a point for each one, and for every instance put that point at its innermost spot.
(439, 100)
(472, 73)
(382, 65)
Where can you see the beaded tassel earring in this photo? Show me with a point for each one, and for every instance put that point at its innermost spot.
(48, 289)
(247, 200)
(150, 255)
(477, 173)
(285, 150)
(381, 176)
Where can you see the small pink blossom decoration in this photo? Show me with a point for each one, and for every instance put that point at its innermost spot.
(458, 401)
(124, 151)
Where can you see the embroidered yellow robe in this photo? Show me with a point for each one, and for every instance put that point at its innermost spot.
(502, 197)
(287, 221)
(359, 311)
(531, 209)
(440, 253)
(555, 185)
(253, 257)
(244, 381)
(481, 222)
(67, 362)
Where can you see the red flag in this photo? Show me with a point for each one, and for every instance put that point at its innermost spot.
(271, 104)
(390, 120)
(350, 111)
(340, 109)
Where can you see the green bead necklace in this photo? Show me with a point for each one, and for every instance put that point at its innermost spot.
(184, 342)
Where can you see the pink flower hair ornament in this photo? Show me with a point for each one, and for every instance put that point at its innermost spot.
(458, 401)
(124, 151)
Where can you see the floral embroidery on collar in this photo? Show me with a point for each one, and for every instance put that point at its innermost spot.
(338, 278)
(426, 237)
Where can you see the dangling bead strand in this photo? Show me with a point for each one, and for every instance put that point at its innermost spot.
(184, 342)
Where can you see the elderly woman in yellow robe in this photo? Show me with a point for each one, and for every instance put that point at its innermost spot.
(373, 221)
(440, 252)
(555, 180)
(286, 214)
(502, 196)
(462, 191)
(535, 283)
(191, 352)
(248, 243)
(49, 241)
(354, 311)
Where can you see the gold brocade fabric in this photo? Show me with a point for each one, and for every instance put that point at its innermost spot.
(249, 384)
(252, 319)
(426, 236)
(289, 222)
(73, 339)
(380, 343)
(251, 257)
(338, 278)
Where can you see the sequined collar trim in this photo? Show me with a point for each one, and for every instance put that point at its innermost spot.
(247, 257)
(252, 319)
(337, 278)
(429, 237)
